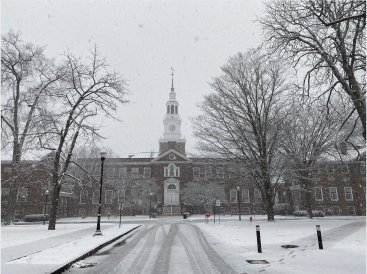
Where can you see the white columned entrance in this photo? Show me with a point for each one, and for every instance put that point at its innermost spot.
(172, 192)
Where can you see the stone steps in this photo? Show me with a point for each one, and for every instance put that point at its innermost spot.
(171, 211)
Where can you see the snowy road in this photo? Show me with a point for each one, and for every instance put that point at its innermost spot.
(159, 248)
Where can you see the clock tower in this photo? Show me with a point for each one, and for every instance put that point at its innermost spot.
(172, 138)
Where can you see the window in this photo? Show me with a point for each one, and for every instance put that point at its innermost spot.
(121, 196)
(233, 195)
(122, 172)
(245, 196)
(171, 171)
(5, 194)
(257, 195)
(297, 196)
(333, 193)
(171, 186)
(221, 210)
(167, 109)
(336, 210)
(233, 210)
(321, 208)
(246, 210)
(348, 194)
(231, 172)
(147, 172)
(220, 172)
(243, 171)
(82, 212)
(134, 172)
(159, 198)
(315, 169)
(196, 172)
(172, 109)
(171, 157)
(95, 197)
(351, 210)
(318, 194)
(110, 172)
(108, 196)
(176, 108)
(330, 169)
(83, 196)
(362, 168)
(22, 192)
(344, 169)
(18, 214)
(208, 171)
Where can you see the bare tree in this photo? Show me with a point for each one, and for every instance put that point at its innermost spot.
(242, 119)
(325, 38)
(308, 137)
(26, 76)
(87, 89)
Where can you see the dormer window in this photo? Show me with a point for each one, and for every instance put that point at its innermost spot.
(171, 171)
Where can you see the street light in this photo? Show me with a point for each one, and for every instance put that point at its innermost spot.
(98, 230)
(23, 198)
(239, 205)
(45, 208)
(150, 204)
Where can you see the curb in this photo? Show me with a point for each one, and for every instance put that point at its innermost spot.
(89, 253)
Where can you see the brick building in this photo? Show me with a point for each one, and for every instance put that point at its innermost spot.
(339, 188)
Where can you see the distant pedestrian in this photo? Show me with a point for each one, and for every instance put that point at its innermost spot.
(109, 216)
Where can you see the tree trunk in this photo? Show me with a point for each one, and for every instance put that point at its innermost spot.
(308, 200)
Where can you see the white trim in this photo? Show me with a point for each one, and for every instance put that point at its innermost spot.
(169, 152)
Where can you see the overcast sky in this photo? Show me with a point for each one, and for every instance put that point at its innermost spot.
(142, 40)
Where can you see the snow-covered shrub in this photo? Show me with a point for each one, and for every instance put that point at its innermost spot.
(303, 213)
(36, 217)
(283, 209)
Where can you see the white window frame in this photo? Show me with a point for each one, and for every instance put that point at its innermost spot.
(344, 169)
(231, 172)
(321, 208)
(83, 193)
(346, 191)
(134, 172)
(19, 195)
(171, 171)
(333, 209)
(196, 172)
(333, 191)
(5, 192)
(108, 193)
(246, 210)
(233, 192)
(95, 200)
(362, 169)
(147, 172)
(328, 171)
(234, 210)
(122, 172)
(316, 194)
(349, 210)
(245, 196)
(257, 195)
(110, 172)
(17, 215)
(220, 172)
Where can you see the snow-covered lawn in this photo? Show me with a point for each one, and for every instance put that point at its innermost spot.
(344, 241)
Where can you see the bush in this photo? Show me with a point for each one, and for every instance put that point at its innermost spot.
(283, 209)
(36, 218)
(303, 213)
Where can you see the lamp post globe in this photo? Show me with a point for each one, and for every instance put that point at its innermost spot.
(98, 229)
(239, 205)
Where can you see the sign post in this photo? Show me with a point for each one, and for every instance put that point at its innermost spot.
(207, 214)
(217, 203)
(120, 209)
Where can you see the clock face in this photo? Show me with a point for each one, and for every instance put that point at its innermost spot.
(172, 127)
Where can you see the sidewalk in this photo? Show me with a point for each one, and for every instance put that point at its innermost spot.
(37, 257)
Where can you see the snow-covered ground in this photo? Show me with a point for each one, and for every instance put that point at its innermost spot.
(344, 242)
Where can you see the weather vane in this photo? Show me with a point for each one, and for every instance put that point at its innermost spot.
(173, 71)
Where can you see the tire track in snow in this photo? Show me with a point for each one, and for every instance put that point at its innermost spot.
(141, 258)
(164, 254)
(222, 266)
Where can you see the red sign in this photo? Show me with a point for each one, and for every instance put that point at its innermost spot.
(207, 214)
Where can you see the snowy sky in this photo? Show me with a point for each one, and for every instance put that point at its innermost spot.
(142, 40)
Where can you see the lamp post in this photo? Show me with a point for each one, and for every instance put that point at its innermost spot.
(98, 230)
(45, 208)
(120, 209)
(239, 205)
(23, 198)
(150, 204)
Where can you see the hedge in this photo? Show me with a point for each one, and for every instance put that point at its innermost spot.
(36, 217)
(315, 213)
